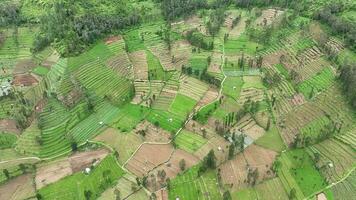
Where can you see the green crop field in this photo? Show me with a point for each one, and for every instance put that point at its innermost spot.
(188, 141)
(317, 83)
(73, 187)
(7, 140)
(189, 186)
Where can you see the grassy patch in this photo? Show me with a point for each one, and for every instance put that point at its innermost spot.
(232, 86)
(203, 115)
(74, 186)
(182, 105)
(7, 140)
(297, 171)
(189, 186)
(282, 70)
(42, 71)
(155, 69)
(166, 120)
(189, 141)
(252, 82)
(271, 140)
(129, 116)
(242, 44)
(133, 41)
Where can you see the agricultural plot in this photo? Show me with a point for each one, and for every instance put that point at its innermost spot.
(166, 120)
(191, 186)
(181, 52)
(182, 106)
(155, 69)
(94, 76)
(220, 147)
(344, 189)
(199, 62)
(171, 168)
(162, 52)
(241, 44)
(52, 172)
(53, 120)
(263, 191)
(152, 133)
(125, 185)
(235, 172)
(21, 187)
(316, 84)
(268, 16)
(249, 127)
(191, 87)
(271, 140)
(124, 143)
(120, 63)
(336, 157)
(232, 87)
(348, 138)
(168, 93)
(189, 141)
(297, 172)
(7, 140)
(251, 94)
(72, 187)
(148, 157)
(139, 62)
(26, 143)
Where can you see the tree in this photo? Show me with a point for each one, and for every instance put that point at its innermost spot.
(292, 194)
(210, 160)
(87, 194)
(22, 168)
(182, 165)
(227, 195)
(117, 194)
(74, 146)
(6, 173)
(231, 151)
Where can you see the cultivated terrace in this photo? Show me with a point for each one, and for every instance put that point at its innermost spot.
(177, 99)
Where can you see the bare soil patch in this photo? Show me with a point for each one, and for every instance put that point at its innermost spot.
(9, 126)
(121, 64)
(235, 172)
(171, 169)
(162, 194)
(18, 188)
(298, 99)
(81, 160)
(152, 133)
(197, 128)
(112, 39)
(181, 52)
(220, 147)
(125, 143)
(24, 80)
(148, 157)
(52, 172)
(24, 66)
(269, 15)
(210, 96)
(139, 62)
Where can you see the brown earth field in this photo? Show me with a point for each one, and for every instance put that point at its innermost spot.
(148, 157)
(18, 188)
(52, 172)
(124, 143)
(24, 79)
(171, 168)
(24, 66)
(153, 133)
(234, 172)
(9, 126)
(220, 147)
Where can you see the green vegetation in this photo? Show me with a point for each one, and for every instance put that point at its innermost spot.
(42, 71)
(204, 113)
(241, 44)
(317, 83)
(191, 186)
(232, 86)
(189, 141)
(78, 185)
(271, 140)
(7, 140)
